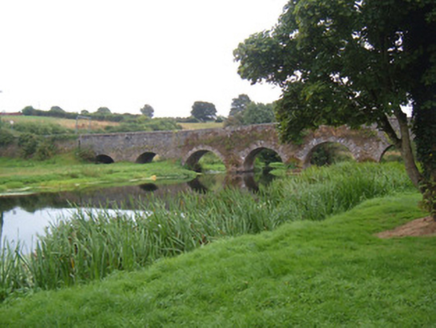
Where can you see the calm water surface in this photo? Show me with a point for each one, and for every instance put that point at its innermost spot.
(23, 218)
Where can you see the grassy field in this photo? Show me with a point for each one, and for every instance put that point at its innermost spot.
(205, 125)
(84, 124)
(332, 273)
(66, 172)
(66, 123)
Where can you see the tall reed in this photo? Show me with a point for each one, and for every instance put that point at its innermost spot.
(91, 244)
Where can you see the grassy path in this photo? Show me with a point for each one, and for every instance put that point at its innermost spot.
(333, 273)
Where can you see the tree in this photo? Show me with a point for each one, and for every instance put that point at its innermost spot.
(257, 113)
(239, 104)
(147, 110)
(354, 62)
(28, 111)
(56, 110)
(103, 110)
(203, 111)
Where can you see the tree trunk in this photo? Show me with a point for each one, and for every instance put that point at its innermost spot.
(404, 144)
(407, 152)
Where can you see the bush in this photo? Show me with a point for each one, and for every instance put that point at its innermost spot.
(28, 144)
(162, 124)
(42, 129)
(85, 154)
(45, 149)
(6, 137)
(156, 124)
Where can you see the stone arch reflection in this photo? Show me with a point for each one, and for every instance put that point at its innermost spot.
(148, 187)
(245, 181)
(197, 186)
(253, 182)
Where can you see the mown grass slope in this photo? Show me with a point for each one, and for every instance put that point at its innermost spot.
(332, 273)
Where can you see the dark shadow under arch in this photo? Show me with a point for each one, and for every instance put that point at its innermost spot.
(251, 157)
(192, 162)
(327, 153)
(146, 157)
(104, 159)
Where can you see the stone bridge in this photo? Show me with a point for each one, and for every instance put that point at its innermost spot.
(237, 146)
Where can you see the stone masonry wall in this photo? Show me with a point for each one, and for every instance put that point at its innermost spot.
(236, 146)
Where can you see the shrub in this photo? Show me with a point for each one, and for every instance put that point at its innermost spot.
(157, 124)
(42, 129)
(28, 144)
(85, 154)
(45, 149)
(6, 137)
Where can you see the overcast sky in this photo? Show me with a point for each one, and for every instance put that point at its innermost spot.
(86, 54)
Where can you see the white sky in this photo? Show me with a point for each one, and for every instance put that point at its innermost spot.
(85, 54)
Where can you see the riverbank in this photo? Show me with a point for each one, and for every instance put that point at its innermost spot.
(333, 273)
(87, 247)
(66, 172)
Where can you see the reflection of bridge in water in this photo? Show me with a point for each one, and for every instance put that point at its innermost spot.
(116, 197)
(236, 147)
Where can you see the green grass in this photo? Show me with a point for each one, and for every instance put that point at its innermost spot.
(91, 246)
(202, 125)
(66, 172)
(333, 273)
(66, 123)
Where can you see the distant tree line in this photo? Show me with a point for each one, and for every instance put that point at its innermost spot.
(243, 111)
(102, 114)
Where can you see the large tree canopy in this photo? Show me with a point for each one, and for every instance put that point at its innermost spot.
(354, 62)
(147, 110)
(239, 104)
(203, 111)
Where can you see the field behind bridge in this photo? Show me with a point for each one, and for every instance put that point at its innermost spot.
(63, 122)
(94, 125)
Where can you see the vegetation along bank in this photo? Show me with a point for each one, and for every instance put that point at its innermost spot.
(269, 260)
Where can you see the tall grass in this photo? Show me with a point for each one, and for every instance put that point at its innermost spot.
(90, 245)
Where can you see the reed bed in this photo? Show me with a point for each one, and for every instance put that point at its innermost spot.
(90, 245)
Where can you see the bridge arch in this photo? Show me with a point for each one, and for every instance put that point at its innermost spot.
(390, 148)
(333, 151)
(315, 143)
(104, 159)
(249, 154)
(193, 156)
(146, 157)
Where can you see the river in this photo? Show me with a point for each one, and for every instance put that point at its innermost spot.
(23, 218)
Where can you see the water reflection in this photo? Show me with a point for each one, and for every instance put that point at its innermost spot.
(22, 217)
